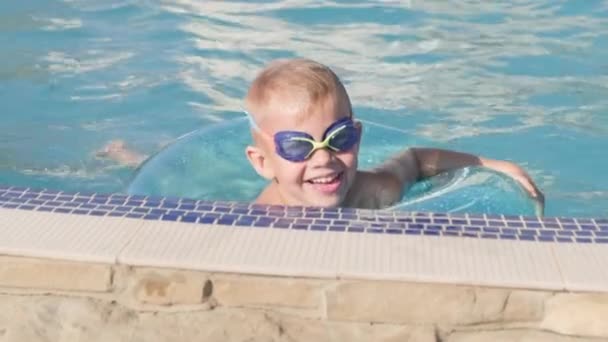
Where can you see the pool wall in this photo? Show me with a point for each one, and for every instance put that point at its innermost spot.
(94, 267)
(55, 300)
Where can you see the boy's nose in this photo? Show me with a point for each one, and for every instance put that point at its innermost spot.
(321, 156)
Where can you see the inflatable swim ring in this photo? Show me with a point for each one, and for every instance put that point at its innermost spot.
(210, 164)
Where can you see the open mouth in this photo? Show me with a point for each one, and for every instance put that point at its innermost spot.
(327, 184)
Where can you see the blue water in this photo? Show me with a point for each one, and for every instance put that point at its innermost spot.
(520, 80)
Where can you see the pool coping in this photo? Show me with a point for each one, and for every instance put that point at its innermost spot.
(485, 250)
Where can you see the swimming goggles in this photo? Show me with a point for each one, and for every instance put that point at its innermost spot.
(297, 146)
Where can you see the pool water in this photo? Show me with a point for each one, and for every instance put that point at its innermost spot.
(520, 80)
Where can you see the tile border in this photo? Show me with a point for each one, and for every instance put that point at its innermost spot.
(240, 214)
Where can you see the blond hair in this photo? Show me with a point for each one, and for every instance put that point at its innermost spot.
(301, 81)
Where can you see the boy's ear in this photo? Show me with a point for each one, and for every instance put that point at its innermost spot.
(260, 163)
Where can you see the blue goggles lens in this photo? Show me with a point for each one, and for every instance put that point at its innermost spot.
(341, 136)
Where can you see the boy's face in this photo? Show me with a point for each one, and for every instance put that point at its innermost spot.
(326, 176)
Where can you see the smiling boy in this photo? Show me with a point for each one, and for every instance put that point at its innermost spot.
(306, 143)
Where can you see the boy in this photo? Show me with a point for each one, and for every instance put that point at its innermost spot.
(306, 143)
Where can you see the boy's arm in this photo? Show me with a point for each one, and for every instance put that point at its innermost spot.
(415, 163)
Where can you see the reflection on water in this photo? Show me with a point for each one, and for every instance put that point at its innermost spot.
(519, 80)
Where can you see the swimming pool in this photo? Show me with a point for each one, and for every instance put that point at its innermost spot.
(523, 81)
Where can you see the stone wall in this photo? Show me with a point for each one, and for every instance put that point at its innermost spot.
(46, 300)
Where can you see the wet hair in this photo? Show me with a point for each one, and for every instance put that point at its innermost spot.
(298, 82)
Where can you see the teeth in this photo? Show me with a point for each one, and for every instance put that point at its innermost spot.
(323, 180)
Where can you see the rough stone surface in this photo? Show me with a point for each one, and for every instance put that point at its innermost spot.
(54, 275)
(169, 287)
(414, 303)
(525, 305)
(577, 314)
(260, 291)
(519, 335)
(44, 318)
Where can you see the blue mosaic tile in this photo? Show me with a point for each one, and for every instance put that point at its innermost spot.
(546, 238)
(260, 212)
(313, 215)
(528, 232)
(581, 230)
(141, 210)
(337, 228)
(168, 205)
(355, 229)
(220, 209)
(509, 231)
(116, 214)
(282, 225)
(146, 204)
(415, 226)
(490, 230)
(207, 219)
(514, 224)
(170, 217)
(588, 227)
(454, 228)
(496, 223)
(190, 218)
(239, 211)
(157, 211)
(268, 223)
(527, 237)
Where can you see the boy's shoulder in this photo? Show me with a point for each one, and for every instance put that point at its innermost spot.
(373, 190)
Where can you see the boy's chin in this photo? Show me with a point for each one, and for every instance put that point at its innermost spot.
(326, 202)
